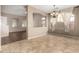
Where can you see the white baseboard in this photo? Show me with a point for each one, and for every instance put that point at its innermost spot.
(32, 37)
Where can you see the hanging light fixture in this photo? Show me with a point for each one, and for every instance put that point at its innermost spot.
(55, 12)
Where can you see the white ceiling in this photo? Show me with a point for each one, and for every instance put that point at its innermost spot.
(49, 8)
(20, 10)
(14, 9)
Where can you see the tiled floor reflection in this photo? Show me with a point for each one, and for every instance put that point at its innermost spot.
(44, 44)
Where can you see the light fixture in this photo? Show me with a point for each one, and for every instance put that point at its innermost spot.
(55, 12)
(43, 18)
(24, 24)
(14, 23)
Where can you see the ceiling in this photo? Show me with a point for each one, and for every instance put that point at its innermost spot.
(20, 10)
(49, 8)
(14, 9)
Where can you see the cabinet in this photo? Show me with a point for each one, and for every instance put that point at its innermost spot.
(13, 36)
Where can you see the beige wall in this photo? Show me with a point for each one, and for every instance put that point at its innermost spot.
(0, 27)
(14, 19)
(14, 16)
(76, 13)
(34, 31)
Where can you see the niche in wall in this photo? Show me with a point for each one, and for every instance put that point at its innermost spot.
(39, 20)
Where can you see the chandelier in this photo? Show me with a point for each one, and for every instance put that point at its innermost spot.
(55, 12)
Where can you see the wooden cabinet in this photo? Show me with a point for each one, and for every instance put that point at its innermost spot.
(13, 37)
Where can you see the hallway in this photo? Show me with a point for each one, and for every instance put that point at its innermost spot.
(44, 44)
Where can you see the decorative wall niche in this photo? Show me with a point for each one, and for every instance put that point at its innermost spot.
(39, 20)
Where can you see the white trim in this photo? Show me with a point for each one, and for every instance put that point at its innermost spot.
(37, 36)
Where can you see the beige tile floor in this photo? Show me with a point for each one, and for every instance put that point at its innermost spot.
(44, 44)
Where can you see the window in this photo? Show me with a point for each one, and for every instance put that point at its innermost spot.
(60, 18)
(72, 18)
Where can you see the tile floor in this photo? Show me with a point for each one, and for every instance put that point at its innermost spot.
(44, 44)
